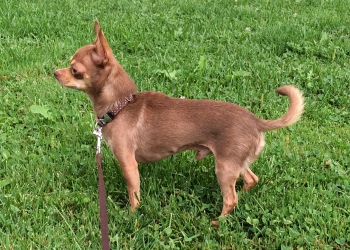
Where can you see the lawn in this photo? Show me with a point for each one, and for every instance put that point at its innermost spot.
(236, 51)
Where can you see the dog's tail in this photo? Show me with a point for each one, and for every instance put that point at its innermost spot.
(294, 112)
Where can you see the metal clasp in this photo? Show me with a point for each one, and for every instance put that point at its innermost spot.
(98, 133)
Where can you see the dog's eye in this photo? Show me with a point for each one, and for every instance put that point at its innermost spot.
(74, 70)
(76, 74)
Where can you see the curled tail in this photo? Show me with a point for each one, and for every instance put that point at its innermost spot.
(294, 112)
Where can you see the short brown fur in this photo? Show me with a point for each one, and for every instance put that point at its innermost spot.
(153, 125)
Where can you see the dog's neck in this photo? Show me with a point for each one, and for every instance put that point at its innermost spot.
(116, 89)
(113, 111)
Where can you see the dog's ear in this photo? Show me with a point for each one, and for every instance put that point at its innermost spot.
(102, 51)
(97, 28)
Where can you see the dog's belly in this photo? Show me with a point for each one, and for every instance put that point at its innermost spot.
(145, 157)
(152, 155)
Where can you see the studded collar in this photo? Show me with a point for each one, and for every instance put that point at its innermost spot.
(110, 115)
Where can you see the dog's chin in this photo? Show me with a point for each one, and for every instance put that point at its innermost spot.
(74, 85)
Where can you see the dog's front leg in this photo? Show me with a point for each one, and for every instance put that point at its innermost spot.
(132, 178)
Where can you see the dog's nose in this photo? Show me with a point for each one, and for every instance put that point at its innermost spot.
(56, 73)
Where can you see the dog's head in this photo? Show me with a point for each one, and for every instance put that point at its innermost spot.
(89, 66)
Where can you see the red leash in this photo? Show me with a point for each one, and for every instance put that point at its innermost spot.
(102, 193)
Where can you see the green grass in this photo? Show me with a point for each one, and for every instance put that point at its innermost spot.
(236, 51)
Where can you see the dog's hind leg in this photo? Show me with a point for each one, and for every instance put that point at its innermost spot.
(250, 179)
(227, 174)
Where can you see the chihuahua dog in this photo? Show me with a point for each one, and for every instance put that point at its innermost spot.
(149, 126)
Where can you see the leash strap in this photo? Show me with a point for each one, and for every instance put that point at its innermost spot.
(102, 193)
(103, 205)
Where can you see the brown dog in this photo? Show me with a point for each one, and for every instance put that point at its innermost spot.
(149, 126)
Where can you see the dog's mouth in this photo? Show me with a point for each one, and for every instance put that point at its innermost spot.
(65, 78)
(61, 78)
